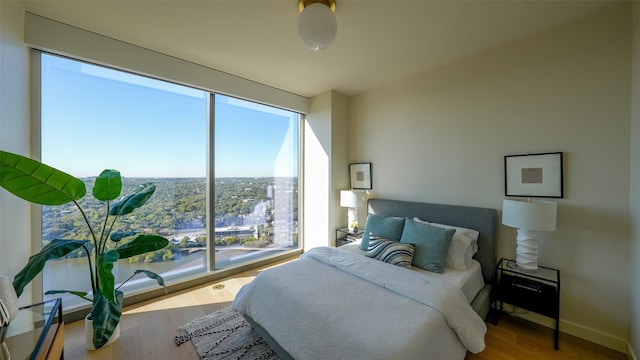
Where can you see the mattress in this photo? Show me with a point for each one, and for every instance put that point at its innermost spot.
(470, 281)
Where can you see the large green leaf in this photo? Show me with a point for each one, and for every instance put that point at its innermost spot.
(142, 244)
(119, 235)
(106, 316)
(57, 248)
(104, 265)
(133, 200)
(36, 182)
(150, 274)
(82, 294)
(108, 185)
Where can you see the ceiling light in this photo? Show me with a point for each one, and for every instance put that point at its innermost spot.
(317, 24)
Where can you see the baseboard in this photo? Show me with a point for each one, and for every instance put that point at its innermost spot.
(595, 336)
(571, 328)
(630, 354)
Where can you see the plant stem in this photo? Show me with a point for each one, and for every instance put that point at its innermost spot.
(103, 241)
(130, 277)
(111, 227)
(94, 285)
(93, 282)
(86, 220)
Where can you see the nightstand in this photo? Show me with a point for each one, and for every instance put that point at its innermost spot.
(537, 291)
(344, 237)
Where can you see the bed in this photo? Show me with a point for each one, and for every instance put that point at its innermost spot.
(337, 303)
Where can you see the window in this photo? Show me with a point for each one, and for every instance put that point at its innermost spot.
(256, 166)
(93, 118)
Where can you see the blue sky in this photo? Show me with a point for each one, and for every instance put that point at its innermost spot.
(95, 118)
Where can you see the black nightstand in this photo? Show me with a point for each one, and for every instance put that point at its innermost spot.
(537, 291)
(344, 237)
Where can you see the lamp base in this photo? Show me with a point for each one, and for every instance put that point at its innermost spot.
(352, 220)
(527, 250)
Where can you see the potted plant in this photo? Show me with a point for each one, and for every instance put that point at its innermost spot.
(41, 184)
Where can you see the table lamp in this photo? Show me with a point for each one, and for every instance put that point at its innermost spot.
(528, 217)
(353, 200)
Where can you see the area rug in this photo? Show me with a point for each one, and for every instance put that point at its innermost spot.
(223, 335)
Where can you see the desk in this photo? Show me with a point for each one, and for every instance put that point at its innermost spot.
(45, 340)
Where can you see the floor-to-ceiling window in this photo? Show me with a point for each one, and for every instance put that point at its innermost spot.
(256, 184)
(93, 118)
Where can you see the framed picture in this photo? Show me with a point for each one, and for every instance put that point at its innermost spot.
(533, 175)
(360, 176)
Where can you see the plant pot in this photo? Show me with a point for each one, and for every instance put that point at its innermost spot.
(88, 334)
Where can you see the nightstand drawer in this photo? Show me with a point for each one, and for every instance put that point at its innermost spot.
(528, 294)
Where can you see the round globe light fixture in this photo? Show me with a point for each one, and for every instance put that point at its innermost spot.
(317, 24)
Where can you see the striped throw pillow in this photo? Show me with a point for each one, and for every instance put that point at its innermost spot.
(392, 252)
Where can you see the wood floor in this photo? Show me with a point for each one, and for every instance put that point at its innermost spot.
(148, 331)
(515, 338)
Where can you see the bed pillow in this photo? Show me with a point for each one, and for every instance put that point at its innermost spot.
(431, 243)
(391, 252)
(460, 252)
(387, 227)
(470, 233)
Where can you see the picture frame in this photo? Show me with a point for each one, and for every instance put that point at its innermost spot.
(360, 176)
(534, 175)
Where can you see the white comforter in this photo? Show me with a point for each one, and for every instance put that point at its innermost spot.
(332, 304)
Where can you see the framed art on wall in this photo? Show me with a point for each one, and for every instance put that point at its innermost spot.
(360, 176)
(534, 175)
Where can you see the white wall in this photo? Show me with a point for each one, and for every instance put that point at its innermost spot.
(634, 268)
(317, 182)
(441, 137)
(339, 160)
(325, 164)
(15, 237)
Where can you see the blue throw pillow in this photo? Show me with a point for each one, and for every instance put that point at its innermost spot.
(431, 244)
(387, 227)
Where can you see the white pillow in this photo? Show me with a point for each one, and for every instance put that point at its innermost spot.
(470, 233)
(461, 248)
(459, 254)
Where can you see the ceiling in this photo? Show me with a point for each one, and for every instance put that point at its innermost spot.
(378, 41)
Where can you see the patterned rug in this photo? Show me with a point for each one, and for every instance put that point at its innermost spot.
(223, 335)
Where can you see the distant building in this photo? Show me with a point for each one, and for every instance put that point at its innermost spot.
(239, 232)
(283, 209)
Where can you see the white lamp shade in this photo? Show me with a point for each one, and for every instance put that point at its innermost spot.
(317, 26)
(351, 199)
(529, 215)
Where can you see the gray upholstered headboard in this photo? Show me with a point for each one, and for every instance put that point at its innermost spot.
(482, 219)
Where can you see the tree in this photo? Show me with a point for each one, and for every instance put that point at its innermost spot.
(184, 242)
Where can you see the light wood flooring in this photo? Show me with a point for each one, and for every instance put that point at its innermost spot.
(514, 338)
(148, 331)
